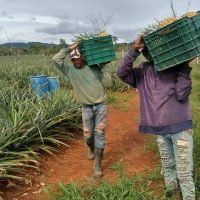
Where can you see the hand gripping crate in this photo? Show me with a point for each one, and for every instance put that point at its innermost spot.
(98, 50)
(175, 43)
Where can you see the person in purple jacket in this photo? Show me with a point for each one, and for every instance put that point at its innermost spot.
(164, 111)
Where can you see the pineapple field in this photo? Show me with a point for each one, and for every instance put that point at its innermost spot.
(31, 125)
(69, 131)
(42, 152)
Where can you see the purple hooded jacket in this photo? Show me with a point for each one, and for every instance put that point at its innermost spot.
(164, 95)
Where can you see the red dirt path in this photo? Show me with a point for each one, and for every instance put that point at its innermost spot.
(123, 144)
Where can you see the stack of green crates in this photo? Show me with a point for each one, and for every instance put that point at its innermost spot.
(175, 43)
(98, 50)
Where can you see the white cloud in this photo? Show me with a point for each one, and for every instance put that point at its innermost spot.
(23, 18)
(49, 20)
(66, 26)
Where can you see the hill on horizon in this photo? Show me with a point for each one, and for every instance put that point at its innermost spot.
(24, 45)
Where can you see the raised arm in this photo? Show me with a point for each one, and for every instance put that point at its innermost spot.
(59, 58)
(126, 72)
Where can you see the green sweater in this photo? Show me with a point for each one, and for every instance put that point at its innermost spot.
(88, 82)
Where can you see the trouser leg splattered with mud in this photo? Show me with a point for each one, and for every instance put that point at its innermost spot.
(94, 123)
(177, 162)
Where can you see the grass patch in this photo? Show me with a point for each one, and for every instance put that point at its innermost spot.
(136, 188)
(195, 105)
(151, 144)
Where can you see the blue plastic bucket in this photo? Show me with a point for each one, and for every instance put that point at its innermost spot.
(39, 84)
(54, 84)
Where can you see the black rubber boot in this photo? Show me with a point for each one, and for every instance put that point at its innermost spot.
(97, 164)
(91, 153)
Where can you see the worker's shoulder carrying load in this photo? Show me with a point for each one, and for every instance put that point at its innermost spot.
(97, 48)
(175, 41)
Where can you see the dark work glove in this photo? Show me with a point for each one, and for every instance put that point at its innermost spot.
(184, 69)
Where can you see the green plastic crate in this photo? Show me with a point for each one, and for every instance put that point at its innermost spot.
(98, 50)
(175, 43)
(195, 27)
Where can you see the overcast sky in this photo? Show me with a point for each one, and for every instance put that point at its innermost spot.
(50, 20)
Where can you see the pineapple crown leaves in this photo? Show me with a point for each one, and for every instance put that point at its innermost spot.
(149, 28)
(85, 36)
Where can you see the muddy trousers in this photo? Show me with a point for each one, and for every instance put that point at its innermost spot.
(94, 123)
(177, 162)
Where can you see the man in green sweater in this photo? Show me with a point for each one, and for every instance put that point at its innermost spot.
(88, 84)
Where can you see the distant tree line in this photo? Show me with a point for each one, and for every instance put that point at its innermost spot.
(42, 49)
(35, 48)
